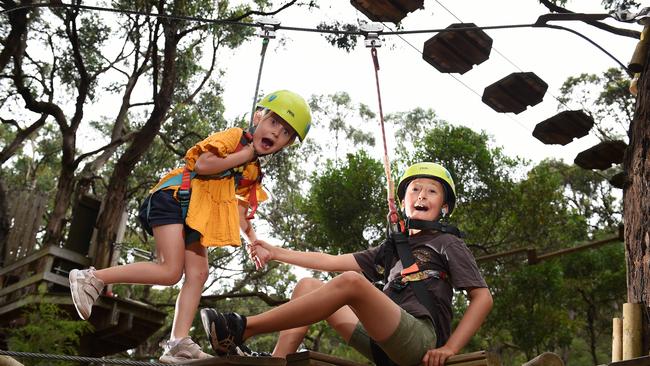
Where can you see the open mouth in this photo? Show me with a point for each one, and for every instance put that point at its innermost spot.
(421, 208)
(267, 143)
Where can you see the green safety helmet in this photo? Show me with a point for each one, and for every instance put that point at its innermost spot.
(429, 170)
(291, 107)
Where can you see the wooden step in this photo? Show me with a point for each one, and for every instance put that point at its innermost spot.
(240, 361)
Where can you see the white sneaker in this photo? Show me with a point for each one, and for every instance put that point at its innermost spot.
(85, 289)
(182, 351)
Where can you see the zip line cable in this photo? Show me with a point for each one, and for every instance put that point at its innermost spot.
(461, 82)
(539, 24)
(504, 56)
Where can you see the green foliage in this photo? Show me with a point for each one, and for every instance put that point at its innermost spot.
(344, 120)
(528, 304)
(343, 41)
(344, 210)
(47, 329)
(605, 97)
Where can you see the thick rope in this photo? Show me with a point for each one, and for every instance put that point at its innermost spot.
(265, 44)
(81, 359)
(393, 218)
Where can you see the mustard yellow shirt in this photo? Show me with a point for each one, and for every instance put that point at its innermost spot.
(213, 204)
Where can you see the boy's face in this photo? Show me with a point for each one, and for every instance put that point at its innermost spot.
(272, 134)
(424, 198)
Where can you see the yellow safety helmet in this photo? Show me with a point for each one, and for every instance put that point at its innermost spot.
(429, 170)
(291, 107)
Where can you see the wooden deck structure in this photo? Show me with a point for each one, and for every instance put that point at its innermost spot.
(27, 270)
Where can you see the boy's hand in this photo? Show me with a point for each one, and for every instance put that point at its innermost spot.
(437, 356)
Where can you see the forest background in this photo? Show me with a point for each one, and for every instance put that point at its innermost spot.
(60, 68)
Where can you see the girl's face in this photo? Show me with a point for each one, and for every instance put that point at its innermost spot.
(272, 134)
(424, 199)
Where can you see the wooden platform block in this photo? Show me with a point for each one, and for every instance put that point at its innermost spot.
(311, 358)
(240, 361)
(479, 358)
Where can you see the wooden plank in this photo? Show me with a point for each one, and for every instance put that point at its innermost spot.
(26, 209)
(240, 361)
(305, 358)
(24, 261)
(311, 358)
(51, 250)
(639, 361)
(20, 284)
(545, 359)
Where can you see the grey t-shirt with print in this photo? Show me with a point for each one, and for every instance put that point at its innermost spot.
(431, 250)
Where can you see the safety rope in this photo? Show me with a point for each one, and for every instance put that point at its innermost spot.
(81, 359)
(265, 44)
(393, 219)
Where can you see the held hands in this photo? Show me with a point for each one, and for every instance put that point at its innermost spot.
(260, 252)
(437, 356)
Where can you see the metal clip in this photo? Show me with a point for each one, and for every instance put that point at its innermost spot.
(642, 17)
(372, 31)
(269, 26)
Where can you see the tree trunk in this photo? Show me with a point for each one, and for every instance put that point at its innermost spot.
(56, 222)
(115, 200)
(636, 203)
(4, 221)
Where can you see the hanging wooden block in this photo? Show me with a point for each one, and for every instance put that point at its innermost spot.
(563, 127)
(601, 156)
(387, 10)
(618, 180)
(457, 51)
(515, 92)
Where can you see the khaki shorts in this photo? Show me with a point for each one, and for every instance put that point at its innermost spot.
(406, 346)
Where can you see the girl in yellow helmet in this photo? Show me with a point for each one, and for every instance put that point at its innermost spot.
(223, 174)
(389, 326)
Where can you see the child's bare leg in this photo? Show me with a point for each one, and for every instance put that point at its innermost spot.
(343, 321)
(379, 314)
(187, 303)
(167, 271)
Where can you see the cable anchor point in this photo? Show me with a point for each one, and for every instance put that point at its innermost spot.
(268, 26)
(371, 32)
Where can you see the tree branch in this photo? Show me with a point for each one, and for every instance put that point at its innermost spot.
(600, 25)
(21, 136)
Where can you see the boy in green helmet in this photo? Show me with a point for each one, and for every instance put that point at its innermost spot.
(391, 326)
(223, 175)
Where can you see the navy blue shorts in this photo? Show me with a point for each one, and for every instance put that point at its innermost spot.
(161, 208)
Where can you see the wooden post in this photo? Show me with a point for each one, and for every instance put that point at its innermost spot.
(617, 339)
(545, 359)
(631, 331)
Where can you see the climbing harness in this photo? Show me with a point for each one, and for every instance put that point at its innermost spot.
(397, 244)
(184, 181)
(267, 31)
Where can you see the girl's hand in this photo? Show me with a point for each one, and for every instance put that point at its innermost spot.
(261, 251)
(251, 154)
(437, 356)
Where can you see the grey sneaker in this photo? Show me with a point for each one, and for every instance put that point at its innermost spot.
(182, 351)
(85, 289)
